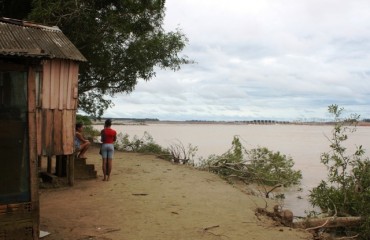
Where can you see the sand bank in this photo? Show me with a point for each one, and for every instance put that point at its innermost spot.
(148, 198)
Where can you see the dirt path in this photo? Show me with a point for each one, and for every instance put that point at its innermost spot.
(148, 198)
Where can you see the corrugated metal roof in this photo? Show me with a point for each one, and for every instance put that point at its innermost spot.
(25, 39)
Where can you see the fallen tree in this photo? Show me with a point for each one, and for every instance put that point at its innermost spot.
(285, 217)
(329, 222)
(346, 193)
(269, 169)
(332, 227)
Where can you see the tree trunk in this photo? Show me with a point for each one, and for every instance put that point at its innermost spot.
(329, 222)
(286, 218)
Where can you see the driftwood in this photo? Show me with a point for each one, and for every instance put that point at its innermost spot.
(140, 194)
(329, 222)
(211, 227)
(286, 218)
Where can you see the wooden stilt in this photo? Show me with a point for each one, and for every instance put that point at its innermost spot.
(49, 164)
(39, 162)
(58, 166)
(71, 169)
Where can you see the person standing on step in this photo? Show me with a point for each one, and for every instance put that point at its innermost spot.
(81, 144)
(108, 137)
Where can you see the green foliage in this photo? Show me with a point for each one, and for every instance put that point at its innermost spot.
(271, 168)
(347, 190)
(145, 144)
(85, 120)
(17, 9)
(89, 131)
(232, 157)
(124, 143)
(259, 165)
(123, 41)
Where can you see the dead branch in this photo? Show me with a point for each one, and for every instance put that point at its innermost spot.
(140, 194)
(286, 217)
(272, 189)
(321, 226)
(329, 222)
(211, 227)
(179, 153)
(345, 238)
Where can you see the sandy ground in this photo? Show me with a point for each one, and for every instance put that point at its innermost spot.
(149, 198)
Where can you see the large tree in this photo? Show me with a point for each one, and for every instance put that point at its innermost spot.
(17, 9)
(123, 41)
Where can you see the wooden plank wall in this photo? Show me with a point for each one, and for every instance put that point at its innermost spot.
(56, 117)
(59, 84)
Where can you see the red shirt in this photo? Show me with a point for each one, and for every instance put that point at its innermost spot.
(108, 135)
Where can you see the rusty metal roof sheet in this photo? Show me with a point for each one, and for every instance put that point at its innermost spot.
(25, 39)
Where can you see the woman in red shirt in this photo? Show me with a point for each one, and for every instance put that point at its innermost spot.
(108, 137)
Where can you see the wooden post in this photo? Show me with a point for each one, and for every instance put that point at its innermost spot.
(49, 164)
(71, 169)
(58, 166)
(33, 157)
(39, 162)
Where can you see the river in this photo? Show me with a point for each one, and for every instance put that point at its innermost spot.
(304, 143)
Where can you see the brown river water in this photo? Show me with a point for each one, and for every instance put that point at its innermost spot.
(304, 143)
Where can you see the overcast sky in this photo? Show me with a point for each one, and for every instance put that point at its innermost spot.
(265, 59)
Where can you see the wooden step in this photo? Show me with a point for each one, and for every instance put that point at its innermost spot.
(84, 170)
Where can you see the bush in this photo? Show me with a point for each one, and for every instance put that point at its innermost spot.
(89, 131)
(347, 190)
(181, 154)
(258, 165)
(272, 168)
(145, 144)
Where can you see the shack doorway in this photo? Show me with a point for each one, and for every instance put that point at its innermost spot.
(14, 147)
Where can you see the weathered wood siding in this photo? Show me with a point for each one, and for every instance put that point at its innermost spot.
(56, 133)
(57, 111)
(59, 84)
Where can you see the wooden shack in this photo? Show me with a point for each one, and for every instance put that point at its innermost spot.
(38, 102)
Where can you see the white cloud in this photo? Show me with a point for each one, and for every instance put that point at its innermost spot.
(261, 59)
